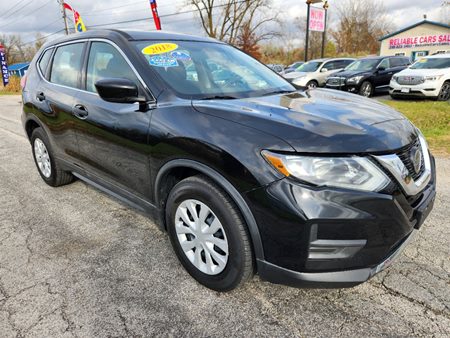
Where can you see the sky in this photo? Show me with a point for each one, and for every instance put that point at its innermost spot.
(26, 17)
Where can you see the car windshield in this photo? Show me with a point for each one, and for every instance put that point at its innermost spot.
(432, 63)
(206, 70)
(309, 67)
(363, 65)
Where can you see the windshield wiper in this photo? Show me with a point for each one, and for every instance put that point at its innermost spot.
(279, 92)
(219, 97)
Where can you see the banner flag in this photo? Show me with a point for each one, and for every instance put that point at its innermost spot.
(4, 64)
(154, 8)
(79, 24)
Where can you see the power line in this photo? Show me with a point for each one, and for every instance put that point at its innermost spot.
(12, 8)
(41, 38)
(24, 16)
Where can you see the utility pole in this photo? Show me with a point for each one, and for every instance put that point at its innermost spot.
(64, 16)
(324, 34)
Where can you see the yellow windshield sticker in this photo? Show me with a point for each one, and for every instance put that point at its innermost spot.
(159, 48)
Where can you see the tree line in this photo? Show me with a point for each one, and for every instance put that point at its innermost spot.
(257, 27)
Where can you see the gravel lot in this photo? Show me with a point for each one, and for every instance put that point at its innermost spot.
(75, 262)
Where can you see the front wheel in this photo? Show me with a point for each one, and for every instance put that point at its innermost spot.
(444, 94)
(312, 84)
(366, 89)
(208, 234)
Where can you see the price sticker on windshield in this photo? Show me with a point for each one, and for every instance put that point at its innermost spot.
(159, 48)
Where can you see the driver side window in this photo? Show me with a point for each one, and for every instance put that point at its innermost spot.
(105, 61)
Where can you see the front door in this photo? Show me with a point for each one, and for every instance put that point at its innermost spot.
(112, 137)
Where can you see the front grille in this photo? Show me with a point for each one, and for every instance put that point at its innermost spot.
(410, 80)
(336, 81)
(405, 155)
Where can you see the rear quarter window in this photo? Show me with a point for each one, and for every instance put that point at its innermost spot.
(44, 61)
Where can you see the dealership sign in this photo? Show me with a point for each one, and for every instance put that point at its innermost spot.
(5, 75)
(420, 41)
(316, 19)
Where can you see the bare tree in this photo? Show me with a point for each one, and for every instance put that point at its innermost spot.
(227, 19)
(17, 51)
(361, 24)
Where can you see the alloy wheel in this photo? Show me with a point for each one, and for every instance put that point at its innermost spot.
(444, 94)
(367, 89)
(42, 158)
(201, 236)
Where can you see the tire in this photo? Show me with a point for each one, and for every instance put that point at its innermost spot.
(45, 162)
(312, 84)
(444, 94)
(366, 89)
(213, 266)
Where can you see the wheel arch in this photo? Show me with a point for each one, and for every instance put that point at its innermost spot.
(30, 126)
(176, 170)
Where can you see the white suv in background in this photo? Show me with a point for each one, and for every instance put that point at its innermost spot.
(427, 77)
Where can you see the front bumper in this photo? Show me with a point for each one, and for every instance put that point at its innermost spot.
(427, 89)
(292, 217)
(353, 88)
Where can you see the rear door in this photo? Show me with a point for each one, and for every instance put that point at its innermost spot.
(112, 136)
(56, 94)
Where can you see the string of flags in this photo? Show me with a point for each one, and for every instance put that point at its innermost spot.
(80, 27)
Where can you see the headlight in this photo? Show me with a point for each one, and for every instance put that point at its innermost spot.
(357, 173)
(394, 78)
(433, 78)
(355, 79)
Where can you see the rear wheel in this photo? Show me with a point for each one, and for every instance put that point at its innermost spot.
(366, 89)
(444, 94)
(208, 234)
(45, 162)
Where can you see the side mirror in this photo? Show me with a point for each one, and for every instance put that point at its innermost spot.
(324, 70)
(118, 90)
(380, 69)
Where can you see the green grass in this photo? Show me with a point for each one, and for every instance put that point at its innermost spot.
(432, 118)
(2, 92)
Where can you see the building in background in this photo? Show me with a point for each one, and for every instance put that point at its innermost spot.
(421, 39)
(18, 69)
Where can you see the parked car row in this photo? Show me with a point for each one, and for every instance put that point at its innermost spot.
(427, 77)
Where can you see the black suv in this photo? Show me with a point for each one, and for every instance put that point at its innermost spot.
(368, 75)
(246, 174)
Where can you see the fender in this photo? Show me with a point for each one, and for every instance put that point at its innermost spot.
(225, 185)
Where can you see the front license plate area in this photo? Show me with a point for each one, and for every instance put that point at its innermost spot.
(406, 90)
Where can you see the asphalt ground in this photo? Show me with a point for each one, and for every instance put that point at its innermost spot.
(75, 262)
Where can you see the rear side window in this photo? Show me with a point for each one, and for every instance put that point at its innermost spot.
(67, 65)
(399, 62)
(105, 61)
(43, 62)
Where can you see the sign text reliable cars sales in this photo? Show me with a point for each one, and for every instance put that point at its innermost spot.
(425, 40)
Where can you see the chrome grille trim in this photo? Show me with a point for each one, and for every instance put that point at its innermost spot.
(410, 80)
(402, 175)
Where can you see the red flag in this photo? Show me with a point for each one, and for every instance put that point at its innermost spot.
(156, 19)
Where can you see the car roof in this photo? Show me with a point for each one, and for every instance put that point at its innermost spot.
(330, 59)
(131, 35)
(438, 56)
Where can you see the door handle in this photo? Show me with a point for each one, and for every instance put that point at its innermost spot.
(390, 73)
(80, 111)
(40, 96)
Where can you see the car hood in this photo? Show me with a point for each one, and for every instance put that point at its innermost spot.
(294, 75)
(319, 121)
(350, 73)
(422, 72)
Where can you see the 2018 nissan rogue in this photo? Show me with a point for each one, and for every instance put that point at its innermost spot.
(315, 188)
